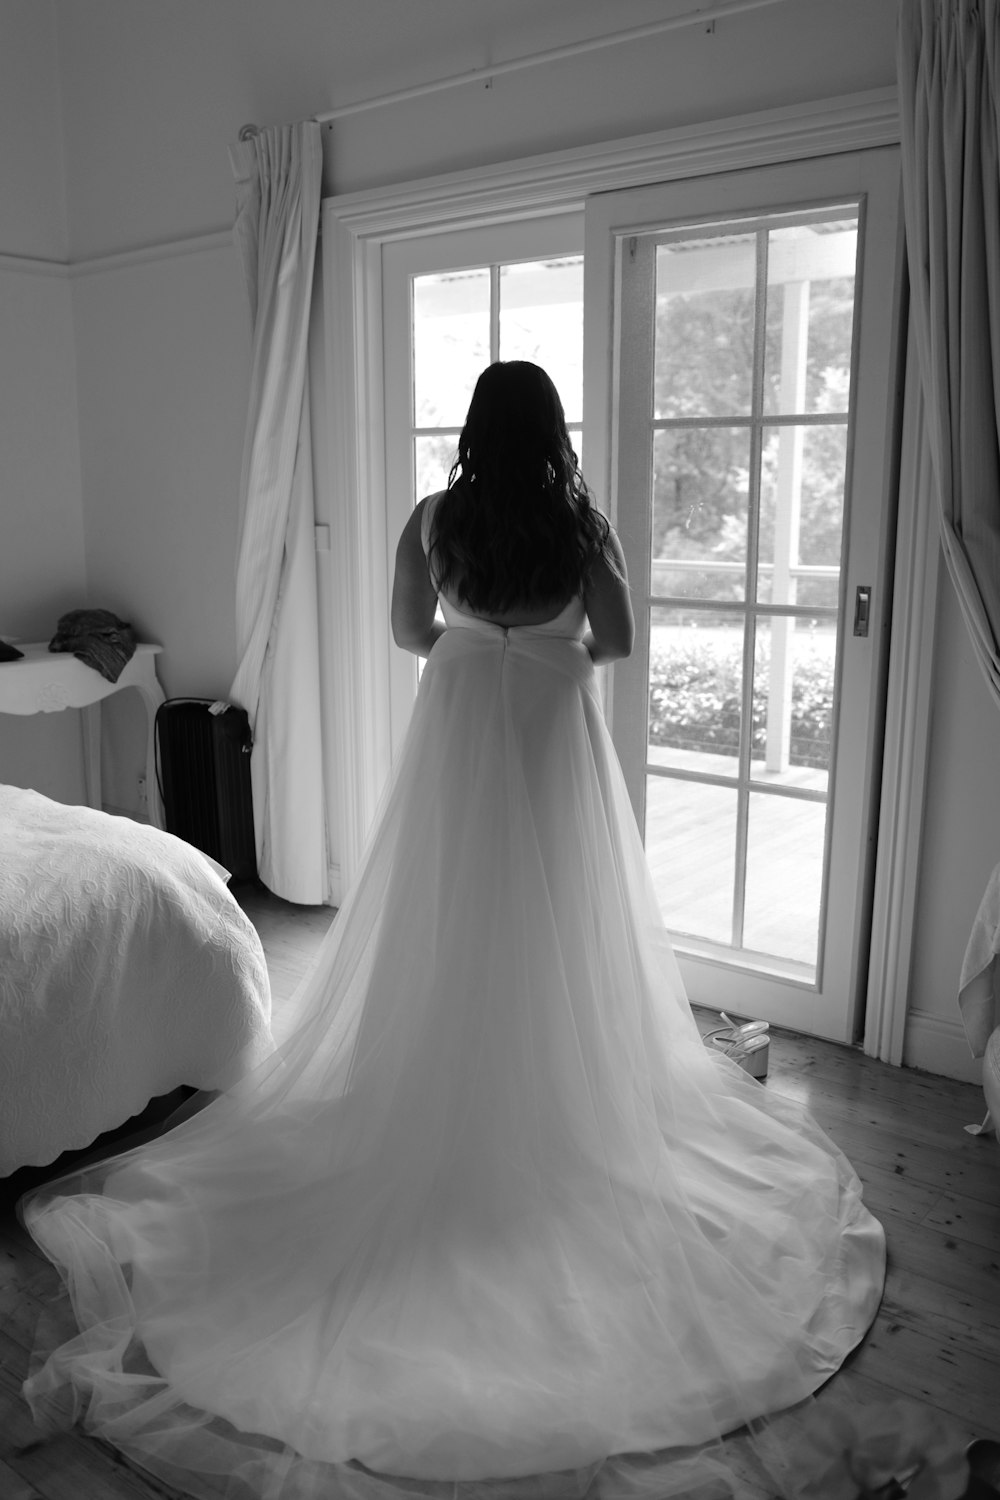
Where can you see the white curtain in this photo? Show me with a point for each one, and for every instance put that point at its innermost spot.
(949, 74)
(278, 174)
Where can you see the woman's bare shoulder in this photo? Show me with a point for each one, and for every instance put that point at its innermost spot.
(611, 560)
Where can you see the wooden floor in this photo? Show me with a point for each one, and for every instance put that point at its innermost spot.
(934, 1187)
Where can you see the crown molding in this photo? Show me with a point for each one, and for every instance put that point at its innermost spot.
(32, 265)
(196, 244)
(118, 260)
(563, 179)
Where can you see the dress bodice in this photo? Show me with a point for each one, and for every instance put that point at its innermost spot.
(570, 622)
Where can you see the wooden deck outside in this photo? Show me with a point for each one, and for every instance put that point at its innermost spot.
(691, 846)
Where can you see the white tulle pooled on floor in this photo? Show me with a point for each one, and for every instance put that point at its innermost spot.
(493, 1211)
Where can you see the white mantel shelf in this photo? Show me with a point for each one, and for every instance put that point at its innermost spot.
(43, 681)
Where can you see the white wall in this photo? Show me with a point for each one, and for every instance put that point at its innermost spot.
(41, 544)
(32, 169)
(163, 347)
(41, 553)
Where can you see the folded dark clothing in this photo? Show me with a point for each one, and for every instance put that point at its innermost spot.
(98, 638)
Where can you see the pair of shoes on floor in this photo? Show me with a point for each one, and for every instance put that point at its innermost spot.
(746, 1043)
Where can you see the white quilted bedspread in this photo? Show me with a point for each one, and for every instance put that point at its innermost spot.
(126, 970)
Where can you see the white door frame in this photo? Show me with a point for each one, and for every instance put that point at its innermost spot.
(907, 730)
(829, 1003)
(355, 227)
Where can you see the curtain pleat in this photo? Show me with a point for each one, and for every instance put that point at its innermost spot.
(949, 70)
(278, 175)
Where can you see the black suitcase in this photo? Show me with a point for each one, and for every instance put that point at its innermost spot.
(203, 771)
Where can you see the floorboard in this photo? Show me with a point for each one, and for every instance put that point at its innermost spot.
(935, 1188)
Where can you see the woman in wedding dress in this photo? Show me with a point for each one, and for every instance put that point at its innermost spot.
(493, 1222)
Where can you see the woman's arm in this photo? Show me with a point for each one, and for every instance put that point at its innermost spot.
(609, 608)
(414, 600)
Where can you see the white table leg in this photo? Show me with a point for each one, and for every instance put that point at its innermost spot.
(152, 697)
(91, 730)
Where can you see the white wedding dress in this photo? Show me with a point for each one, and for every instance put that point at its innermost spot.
(494, 1211)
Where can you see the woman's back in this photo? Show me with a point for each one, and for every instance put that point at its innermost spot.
(515, 537)
(521, 614)
(604, 599)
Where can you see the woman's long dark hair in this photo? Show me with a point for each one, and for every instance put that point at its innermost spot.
(516, 525)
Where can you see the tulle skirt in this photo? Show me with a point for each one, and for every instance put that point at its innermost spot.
(493, 1211)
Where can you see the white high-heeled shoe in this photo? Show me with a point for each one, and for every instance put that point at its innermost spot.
(746, 1043)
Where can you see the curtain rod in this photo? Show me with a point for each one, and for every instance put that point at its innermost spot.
(552, 54)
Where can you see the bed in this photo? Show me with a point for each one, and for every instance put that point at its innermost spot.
(127, 972)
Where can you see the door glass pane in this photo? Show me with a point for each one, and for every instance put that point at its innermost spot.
(691, 848)
(451, 343)
(784, 876)
(541, 319)
(695, 691)
(700, 498)
(751, 380)
(535, 312)
(810, 316)
(432, 461)
(803, 474)
(793, 683)
(537, 309)
(705, 309)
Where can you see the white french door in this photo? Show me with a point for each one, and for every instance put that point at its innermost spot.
(736, 390)
(753, 348)
(451, 304)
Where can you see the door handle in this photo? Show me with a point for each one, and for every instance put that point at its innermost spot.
(862, 609)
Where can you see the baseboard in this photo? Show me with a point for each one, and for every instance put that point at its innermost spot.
(939, 1046)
